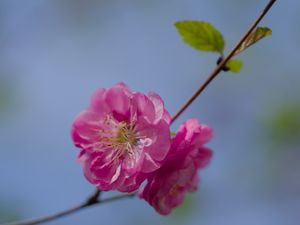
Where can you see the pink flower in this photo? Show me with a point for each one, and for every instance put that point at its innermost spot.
(123, 136)
(166, 187)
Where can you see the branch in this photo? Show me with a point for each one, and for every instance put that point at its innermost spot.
(94, 199)
(69, 211)
(221, 65)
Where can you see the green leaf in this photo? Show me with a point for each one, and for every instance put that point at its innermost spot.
(234, 65)
(201, 35)
(255, 36)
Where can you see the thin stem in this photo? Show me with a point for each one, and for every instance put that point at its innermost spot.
(71, 210)
(94, 199)
(221, 65)
(51, 217)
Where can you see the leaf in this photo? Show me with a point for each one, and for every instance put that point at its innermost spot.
(234, 65)
(255, 36)
(201, 35)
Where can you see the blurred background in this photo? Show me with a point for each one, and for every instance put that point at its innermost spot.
(55, 54)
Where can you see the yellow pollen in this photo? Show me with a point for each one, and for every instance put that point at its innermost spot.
(121, 138)
(125, 135)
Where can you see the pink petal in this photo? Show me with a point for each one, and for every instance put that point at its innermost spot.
(118, 101)
(145, 107)
(85, 128)
(98, 103)
(160, 112)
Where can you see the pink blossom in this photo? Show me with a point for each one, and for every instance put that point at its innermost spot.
(166, 187)
(123, 136)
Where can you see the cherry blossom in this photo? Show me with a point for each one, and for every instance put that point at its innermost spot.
(166, 187)
(123, 136)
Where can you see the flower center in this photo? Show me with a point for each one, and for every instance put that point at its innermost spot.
(121, 137)
(126, 137)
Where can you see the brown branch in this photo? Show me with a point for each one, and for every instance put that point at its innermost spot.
(69, 211)
(221, 65)
(94, 199)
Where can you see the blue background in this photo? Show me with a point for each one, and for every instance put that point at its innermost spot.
(55, 54)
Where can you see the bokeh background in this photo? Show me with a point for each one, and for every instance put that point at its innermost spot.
(56, 53)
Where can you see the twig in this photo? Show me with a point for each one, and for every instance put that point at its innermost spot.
(71, 210)
(221, 65)
(94, 199)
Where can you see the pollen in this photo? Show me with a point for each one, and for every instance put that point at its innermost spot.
(122, 138)
(126, 135)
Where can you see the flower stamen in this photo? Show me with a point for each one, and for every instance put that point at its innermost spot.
(122, 137)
